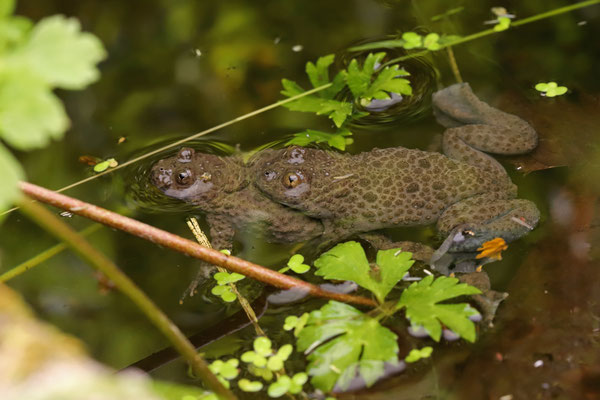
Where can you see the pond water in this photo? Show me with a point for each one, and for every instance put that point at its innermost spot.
(176, 68)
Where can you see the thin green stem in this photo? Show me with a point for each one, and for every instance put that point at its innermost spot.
(43, 256)
(62, 231)
(487, 32)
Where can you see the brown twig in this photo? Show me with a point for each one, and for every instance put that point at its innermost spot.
(182, 245)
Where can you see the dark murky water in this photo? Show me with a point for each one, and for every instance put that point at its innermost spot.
(176, 68)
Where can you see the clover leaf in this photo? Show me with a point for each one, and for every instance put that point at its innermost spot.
(416, 354)
(250, 386)
(341, 341)
(223, 278)
(431, 42)
(412, 40)
(551, 89)
(337, 140)
(421, 301)
(295, 323)
(347, 261)
(224, 292)
(296, 264)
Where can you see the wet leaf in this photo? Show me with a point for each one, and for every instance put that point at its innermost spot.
(250, 386)
(347, 261)
(342, 338)
(422, 298)
(62, 55)
(418, 354)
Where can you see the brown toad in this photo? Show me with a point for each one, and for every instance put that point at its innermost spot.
(464, 190)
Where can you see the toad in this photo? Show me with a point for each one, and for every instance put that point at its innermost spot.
(465, 192)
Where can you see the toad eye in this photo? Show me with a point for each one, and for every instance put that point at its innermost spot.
(293, 179)
(184, 177)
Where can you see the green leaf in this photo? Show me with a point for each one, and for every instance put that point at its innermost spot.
(341, 338)
(359, 79)
(250, 386)
(13, 30)
(62, 55)
(11, 173)
(412, 40)
(337, 140)
(262, 346)
(290, 322)
(275, 363)
(7, 7)
(279, 388)
(338, 111)
(30, 114)
(388, 81)
(347, 261)
(417, 354)
(431, 42)
(421, 301)
(223, 278)
(319, 74)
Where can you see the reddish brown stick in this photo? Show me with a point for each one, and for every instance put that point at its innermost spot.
(182, 245)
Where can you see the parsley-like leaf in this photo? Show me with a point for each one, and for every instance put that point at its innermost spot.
(388, 80)
(338, 111)
(347, 261)
(421, 301)
(352, 341)
(338, 140)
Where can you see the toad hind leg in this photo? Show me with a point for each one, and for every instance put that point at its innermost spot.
(475, 127)
(488, 216)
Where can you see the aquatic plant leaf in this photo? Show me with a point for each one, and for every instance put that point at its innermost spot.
(11, 173)
(421, 301)
(412, 40)
(344, 340)
(62, 55)
(359, 79)
(30, 114)
(417, 354)
(337, 140)
(338, 111)
(250, 386)
(347, 261)
(388, 81)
